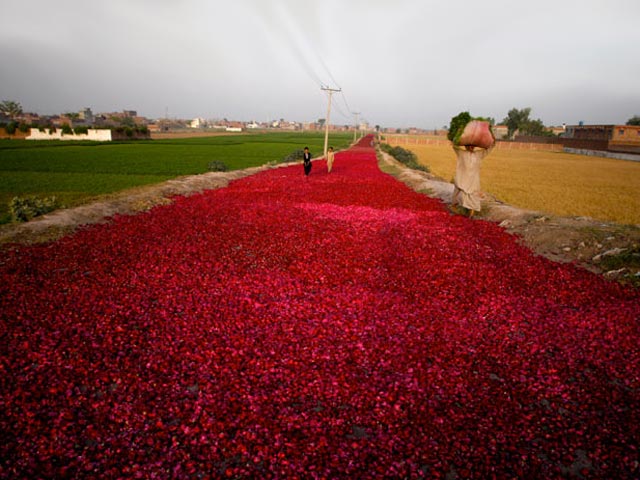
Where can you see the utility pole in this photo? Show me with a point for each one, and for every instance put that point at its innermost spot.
(330, 91)
(355, 130)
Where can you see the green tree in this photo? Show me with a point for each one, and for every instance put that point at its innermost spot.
(516, 119)
(127, 122)
(73, 116)
(535, 128)
(10, 108)
(635, 120)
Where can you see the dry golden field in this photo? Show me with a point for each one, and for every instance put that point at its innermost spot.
(554, 182)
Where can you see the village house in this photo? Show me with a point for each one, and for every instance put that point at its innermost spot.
(198, 123)
(616, 138)
(500, 132)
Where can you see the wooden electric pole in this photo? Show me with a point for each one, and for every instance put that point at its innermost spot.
(355, 130)
(330, 91)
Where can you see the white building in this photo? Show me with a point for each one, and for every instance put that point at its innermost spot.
(198, 123)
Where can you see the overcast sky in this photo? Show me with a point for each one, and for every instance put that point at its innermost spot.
(400, 62)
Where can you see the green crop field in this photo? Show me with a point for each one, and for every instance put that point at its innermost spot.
(77, 172)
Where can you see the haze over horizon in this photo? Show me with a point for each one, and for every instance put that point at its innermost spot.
(401, 64)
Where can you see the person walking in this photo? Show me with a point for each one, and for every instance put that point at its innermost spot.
(466, 190)
(330, 156)
(306, 161)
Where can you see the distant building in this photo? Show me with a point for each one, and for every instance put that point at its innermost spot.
(500, 131)
(29, 118)
(625, 138)
(86, 116)
(561, 130)
(616, 138)
(589, 132)
(197, 123)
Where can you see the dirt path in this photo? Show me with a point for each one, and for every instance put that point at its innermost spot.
(588, 242)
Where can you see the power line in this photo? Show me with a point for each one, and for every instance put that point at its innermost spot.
(344, 99)
(324, 65)
(340, 111)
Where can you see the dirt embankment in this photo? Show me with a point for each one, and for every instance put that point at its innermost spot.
(610, 249)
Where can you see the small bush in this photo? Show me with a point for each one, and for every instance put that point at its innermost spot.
(628, 259)
(82, 130)
(11, 128)
(23, 127)
(294, 156)
(66, 129)
(406, 157)
(217, 166)
(24, 209)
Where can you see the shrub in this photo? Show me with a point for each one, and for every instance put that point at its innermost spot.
(66, 129)
(294, 156)
(217, 166)
(131, 132)
(11, 128)
(23, 127)
(82, 130)
(406, 157)
(24, 209)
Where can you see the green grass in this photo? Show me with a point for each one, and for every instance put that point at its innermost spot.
(79, 171)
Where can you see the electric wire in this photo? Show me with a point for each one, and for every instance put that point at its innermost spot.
(298, 40)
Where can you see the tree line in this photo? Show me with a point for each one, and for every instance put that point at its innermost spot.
(518, 120)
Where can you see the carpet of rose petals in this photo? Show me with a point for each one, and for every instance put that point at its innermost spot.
(340, 326)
